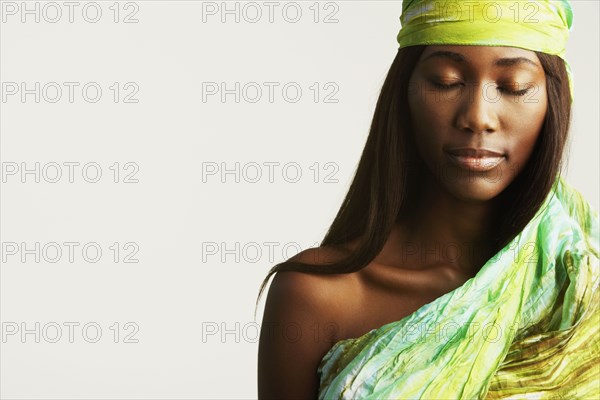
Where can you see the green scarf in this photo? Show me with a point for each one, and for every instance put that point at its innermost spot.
(536, 25)
(527, 326)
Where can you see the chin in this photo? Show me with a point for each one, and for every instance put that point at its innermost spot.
(475, 189)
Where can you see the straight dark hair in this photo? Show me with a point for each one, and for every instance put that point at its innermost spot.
(385, 182)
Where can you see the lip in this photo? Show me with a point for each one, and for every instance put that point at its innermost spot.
(473, 152)
(479, 160)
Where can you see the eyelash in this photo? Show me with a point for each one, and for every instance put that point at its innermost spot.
(510, 92)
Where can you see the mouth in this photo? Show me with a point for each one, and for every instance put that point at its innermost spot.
(478, 160)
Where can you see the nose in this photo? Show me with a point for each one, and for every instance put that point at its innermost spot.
(477, 111)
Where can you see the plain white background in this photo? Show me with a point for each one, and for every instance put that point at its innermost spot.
(203, 239)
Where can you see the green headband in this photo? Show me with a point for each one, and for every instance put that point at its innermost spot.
(537, 25)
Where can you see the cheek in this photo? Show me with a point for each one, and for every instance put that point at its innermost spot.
(522, 149)
(526, 127)
(430, 121)
(426, 113)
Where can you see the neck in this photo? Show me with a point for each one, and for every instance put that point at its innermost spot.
(447, 230)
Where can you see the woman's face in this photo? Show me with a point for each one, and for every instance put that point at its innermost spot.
(476, 113)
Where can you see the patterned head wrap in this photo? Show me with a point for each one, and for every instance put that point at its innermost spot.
(537, 25)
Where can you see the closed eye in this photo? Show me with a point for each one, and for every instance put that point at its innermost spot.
(508, 91)
(522, 92)
(445, 86)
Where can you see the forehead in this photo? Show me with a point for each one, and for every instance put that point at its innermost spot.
(479, 54)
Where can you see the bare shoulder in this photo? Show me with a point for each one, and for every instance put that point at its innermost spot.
(323, 293)
(321, 255)
(300, 324)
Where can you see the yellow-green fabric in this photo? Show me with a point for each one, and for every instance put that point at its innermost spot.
(536, 25)
(527, 326)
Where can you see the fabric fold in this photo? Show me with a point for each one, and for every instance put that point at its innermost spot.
(526, 326)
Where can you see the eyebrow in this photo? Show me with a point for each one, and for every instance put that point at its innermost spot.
(500, 62)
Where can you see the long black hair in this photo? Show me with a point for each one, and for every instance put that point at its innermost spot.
(385, 182)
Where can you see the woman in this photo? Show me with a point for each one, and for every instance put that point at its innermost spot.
(460, 264)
